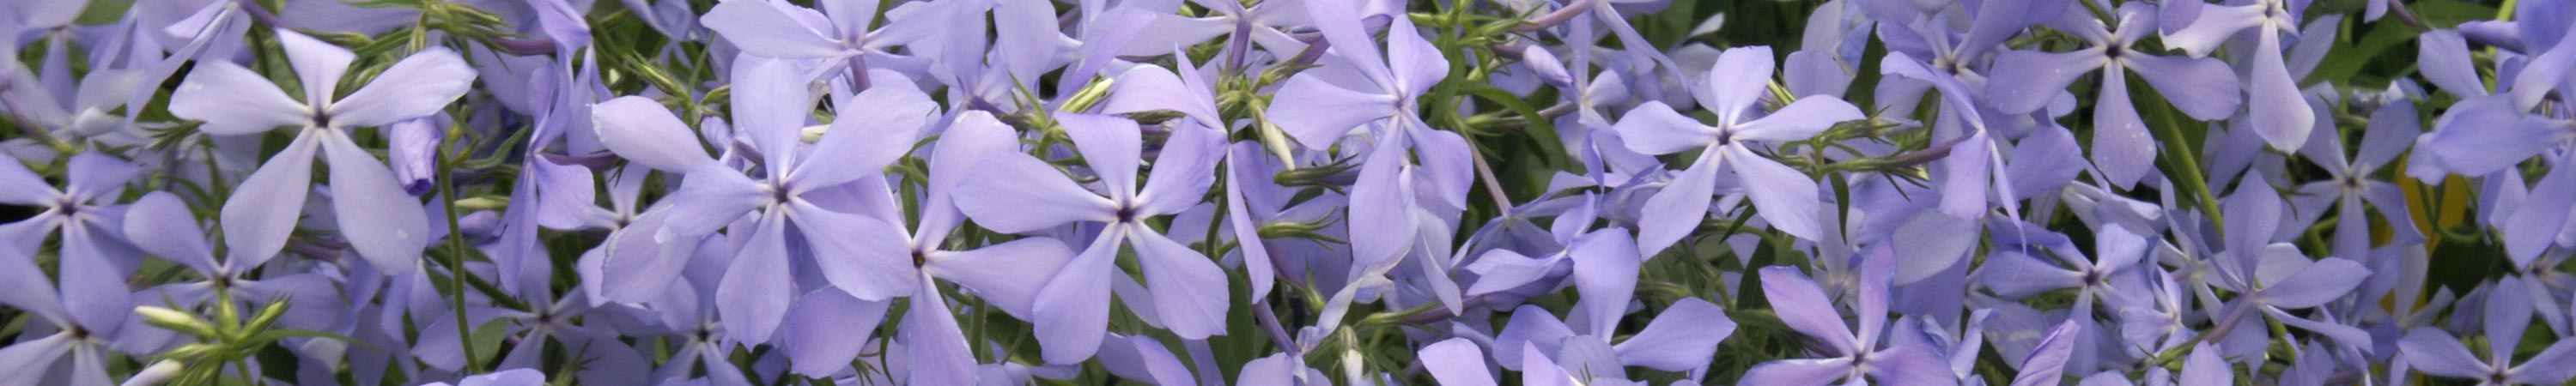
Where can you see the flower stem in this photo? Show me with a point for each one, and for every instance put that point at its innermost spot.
(456, 253)
(2178, 152)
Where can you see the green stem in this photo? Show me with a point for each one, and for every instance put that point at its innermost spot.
(456, 255)
(2178, 152)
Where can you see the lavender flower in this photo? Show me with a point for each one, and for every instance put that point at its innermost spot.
(1850, 355)
(233, 100)
(1020, 194)
(1786, 198)
(947, 192)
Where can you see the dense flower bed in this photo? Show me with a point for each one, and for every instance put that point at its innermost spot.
(1280, 192)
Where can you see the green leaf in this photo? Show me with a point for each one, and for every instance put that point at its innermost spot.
(1540, 129)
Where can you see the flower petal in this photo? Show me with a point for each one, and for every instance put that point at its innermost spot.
(1605, 276)
(771, 29)
(641, 131)
(1381, 210)
(874, 129)
(2039, 76)
(1804, 307)
(1072, 310)
(1015, 193)
(1183, 171)
(973, 137)
(2213, 25)
(1416, 64)
(1930, 242)
(2204, 367)
(19, 186)
(866, 257)
(2533, 227)
(233, 100)
(161, 225)
(753, 297)
(1008, 275)
(1799, 120)
(1797, 372)
(2203, 88)
(2482, 135)
(93, 286)
(1676, 211)
(1655, 129)
(1341, 26)
(2507, 313)
(2280, 116)
(318, 64)
(2552, 365)
(1738, 80)
(2121, 146)
(935, 350)
(385, 225)
(264, 208)
(636, 268)
(1317, 113)
(1189, 291)
(1112, 146)
(2047, 361)
(2326, 280)
(826, 329)
(2443, 57)
(415, 87)
(1786, 198)
(1683, 338)
(2435, 352)
(1456, 361)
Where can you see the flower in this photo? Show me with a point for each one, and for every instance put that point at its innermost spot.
(2201, 87)
(1016, 193)
(1849, 355)
(877, 127)
(380, 221)
(1786, 198)
(2508, 312)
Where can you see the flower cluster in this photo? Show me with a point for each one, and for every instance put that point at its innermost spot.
(1287, 192)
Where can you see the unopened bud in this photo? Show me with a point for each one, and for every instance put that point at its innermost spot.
(175, 320)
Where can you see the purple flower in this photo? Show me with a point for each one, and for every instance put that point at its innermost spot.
(2202, 87)
(1605, 268)
(1456, 361)
(2275, 107)
(2046, 363)
(2015, 275)
(1683, 338)
(1848, 354)
(1232, 19)
(2272, 278)
(95, 258)
(161, 225)
(413, 146)
(876, 128)
(374, 214)
(58, 336)
(839, 37)
(1016, 193)
(1786, 198)
(1007, 275)
(2508, 312)
(2348, 186)
(1373, 89)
